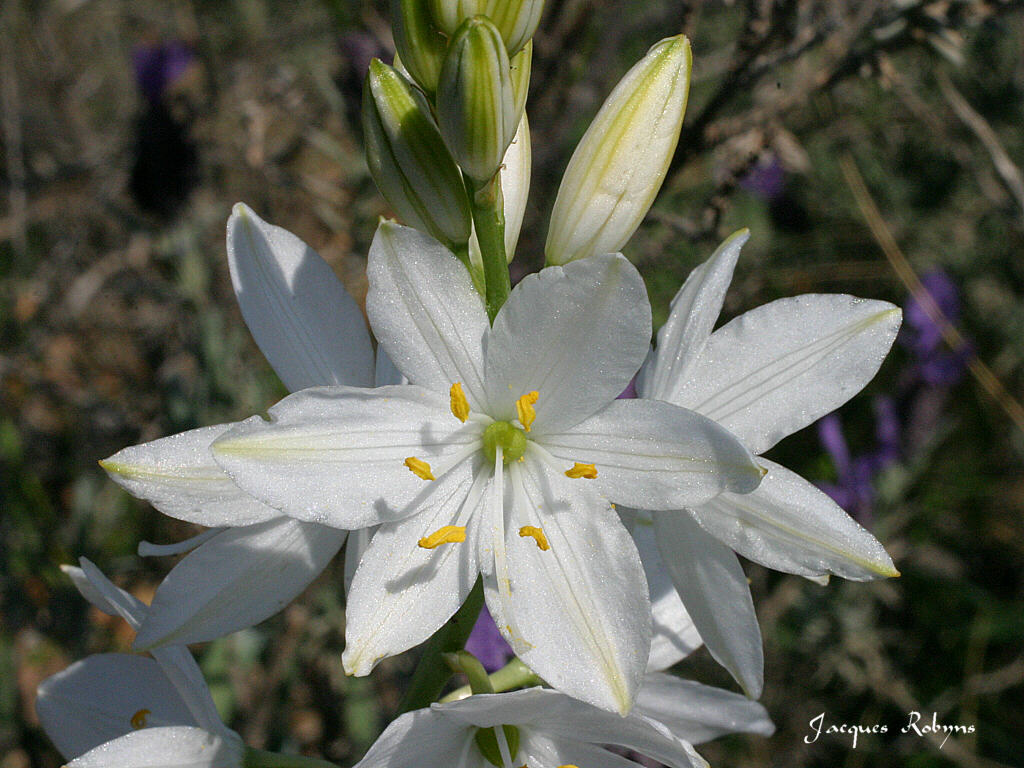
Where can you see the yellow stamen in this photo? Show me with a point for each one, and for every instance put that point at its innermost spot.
(139, 719)
(524, 409)
(589, 471)
(420, 468)
(537, 535)
(460, 406)
(448, 534)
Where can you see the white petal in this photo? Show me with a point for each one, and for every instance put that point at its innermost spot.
(537, 748)
(148, 549)
(674, 634)
(421, 738)
(386, 372)
(699, 713)
(308, 327)
(355, 548)
(176, 662)
(425, 312)
(402, 593)
(94, 700)
(653, 455)
(169, 747)
(236, 580)
(715, 592)
(337, 455)
(578, 614)
(779, 367)
(179, 477)
(575, 334)
(691, 319)
(792, 526)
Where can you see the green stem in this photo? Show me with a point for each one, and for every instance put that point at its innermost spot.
(515, 674)
(469, 665)
(489, 219)
(432, 672)
(258, 758)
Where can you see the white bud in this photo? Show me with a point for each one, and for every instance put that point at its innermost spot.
(621, 161)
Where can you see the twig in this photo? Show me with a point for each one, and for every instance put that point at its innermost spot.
(1005, 167)
(10, 107)
(901, 266)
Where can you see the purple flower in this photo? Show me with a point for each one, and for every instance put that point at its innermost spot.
(922, 336)
(159, 65)
(766, 180)
(486, 643)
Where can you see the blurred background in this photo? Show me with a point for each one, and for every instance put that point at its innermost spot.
(868, 144)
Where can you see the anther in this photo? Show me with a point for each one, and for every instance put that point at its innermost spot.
(420, 468)
(460, 406)
(588, 471)
(139, 719)
(537, 535)
(448, 534)
(524, 409)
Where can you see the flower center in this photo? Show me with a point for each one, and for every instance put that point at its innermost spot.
(512, 441)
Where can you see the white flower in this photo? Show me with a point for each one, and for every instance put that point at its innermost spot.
(512, 421)
(536, 727)
(114, 710)
(763, 376)
(256, 560)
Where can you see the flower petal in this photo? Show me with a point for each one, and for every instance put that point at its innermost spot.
(715, 592)
(168, 747)
(577, 613)
(358, 542)
(425, 312)
(575, 334)
(308, 327)
(402, 592)
(790, 525)
(675, 635)
(420, 738)
(236, 580)
(94, 700)
(653, 455)
(699, 713)
(691, 319)
(779, 367)
(336, 455)
(179, 477)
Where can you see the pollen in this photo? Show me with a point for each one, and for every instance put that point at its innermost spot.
(460, 406)
(420, 468)
(524, 409)
(138, 720)
(589, 471)
(448, 534)
(537, 535)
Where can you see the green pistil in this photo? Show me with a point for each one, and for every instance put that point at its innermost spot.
(511, 439)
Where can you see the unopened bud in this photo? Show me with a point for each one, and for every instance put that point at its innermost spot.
(621, 161)
(475, 99)
(408, 159)
(419, 42)
(520, 66)
(516, 20)
(515, 188)
(449, 14)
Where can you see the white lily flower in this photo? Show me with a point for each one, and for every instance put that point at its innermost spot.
(536, 727)
(312, 333)
(763, 376)
(120, 710)
(514, 422)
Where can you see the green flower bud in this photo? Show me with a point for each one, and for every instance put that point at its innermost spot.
(408, 159)
(520, 66)
(621, 161)
(449, 14)
(475, 99)
(487, 742)
(517, 20)
(419, 42)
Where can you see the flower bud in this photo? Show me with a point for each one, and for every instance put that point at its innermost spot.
(520, 66)
(516, 20)
(476, 100)
(449, 14)
(408, 159)
(419, 42)
(515, 188)
(622, 159)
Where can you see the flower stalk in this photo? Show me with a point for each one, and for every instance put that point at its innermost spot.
(489, 219)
